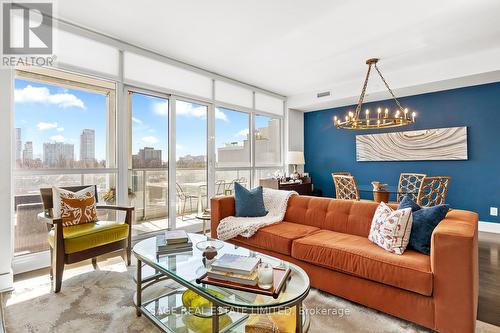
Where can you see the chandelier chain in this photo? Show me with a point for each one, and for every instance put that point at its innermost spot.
(363, 91)
(389, 88)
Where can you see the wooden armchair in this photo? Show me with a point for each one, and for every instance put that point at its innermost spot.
(75, 243)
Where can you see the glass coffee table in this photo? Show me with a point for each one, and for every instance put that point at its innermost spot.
(231, 308)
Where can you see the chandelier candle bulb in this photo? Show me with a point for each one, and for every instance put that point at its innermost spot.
(367, 112)
(413, 115)
(379, 111)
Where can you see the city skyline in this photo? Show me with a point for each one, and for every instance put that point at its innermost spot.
(46, 113)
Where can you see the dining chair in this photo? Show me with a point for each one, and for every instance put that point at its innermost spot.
(71, 244)
(409, 184)
(433, 191)
(184, 198)
(346, 187)
(341, 173)
(220, 186)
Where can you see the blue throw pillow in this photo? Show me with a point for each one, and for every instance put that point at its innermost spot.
(424, 222)
(248, 203)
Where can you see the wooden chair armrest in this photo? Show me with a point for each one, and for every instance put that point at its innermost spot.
(47, 219)
(114, 207)
(128, 210)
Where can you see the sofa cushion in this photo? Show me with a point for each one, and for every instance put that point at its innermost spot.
(391, 228)
(358, 256)
(425, 220)
(248, 203)
(346, 216)
(90, 235)
(277, 237)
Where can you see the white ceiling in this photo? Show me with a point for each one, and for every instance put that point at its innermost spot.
(298, 48)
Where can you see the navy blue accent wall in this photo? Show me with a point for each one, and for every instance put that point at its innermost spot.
(475, 183)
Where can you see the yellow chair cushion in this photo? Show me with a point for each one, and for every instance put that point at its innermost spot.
(90, 235)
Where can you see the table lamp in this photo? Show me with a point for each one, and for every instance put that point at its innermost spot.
(295, 158)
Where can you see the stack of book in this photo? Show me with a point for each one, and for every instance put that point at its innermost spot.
(236, 269)
(173, 241)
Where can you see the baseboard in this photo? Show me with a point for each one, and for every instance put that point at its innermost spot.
(31, 262)
(6, 281)
(489, 227)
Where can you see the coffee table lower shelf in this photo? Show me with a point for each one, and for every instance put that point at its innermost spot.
(167, 312)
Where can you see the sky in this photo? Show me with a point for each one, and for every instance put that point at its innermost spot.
(48, 113)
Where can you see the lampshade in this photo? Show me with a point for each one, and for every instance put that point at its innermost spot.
(295, 157)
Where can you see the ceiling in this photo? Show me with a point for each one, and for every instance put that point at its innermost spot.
(300, 48)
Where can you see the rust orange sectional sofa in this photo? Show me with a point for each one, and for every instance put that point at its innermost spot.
(328, 238)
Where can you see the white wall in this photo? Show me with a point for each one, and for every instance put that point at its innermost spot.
(6, 206)
(296, 133)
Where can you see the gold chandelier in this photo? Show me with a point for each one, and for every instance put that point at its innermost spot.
(376, 119)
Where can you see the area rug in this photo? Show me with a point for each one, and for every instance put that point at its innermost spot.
(101, 301)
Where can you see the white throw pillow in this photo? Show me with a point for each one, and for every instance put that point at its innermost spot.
(74, 207)
(391, 229)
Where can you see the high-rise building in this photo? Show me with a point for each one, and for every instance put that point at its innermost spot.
(267, 147)
(147, 157)
(87, 145)
(19, 144)
(28, 152)
(58, 154)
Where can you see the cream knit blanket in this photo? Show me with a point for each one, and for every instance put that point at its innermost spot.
(275, 202)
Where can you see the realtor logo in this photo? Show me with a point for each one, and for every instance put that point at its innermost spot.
(27, 34)
(27, 28)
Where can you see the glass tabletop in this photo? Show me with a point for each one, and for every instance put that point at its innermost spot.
(390, 188)
(188, 266)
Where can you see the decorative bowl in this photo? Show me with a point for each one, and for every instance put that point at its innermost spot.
(209, 244)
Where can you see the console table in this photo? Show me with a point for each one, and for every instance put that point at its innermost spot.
(304, 188)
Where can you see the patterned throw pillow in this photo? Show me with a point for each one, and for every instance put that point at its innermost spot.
(391, 229)
(75, 207)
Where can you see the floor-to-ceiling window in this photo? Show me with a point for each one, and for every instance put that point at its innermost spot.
(191, 174)
(268, 146)
(64, 136)
(148, 161)
(232, 148)
(114, 115)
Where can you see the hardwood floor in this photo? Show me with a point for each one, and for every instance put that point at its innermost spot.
(489, 278)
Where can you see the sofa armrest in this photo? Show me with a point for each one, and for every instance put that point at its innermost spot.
(220, 207)
(454, 263)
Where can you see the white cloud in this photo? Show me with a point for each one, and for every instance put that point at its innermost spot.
(57, 138)
(243, 132)
(45, 126)
(136, 120)
(60, 129)
(150, 139)
(221, 115)
(189, 110)
(30, 94)
(179, 147)
(161, 108)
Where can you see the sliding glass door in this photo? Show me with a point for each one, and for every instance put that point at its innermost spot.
(148, 161)
(191, 176)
